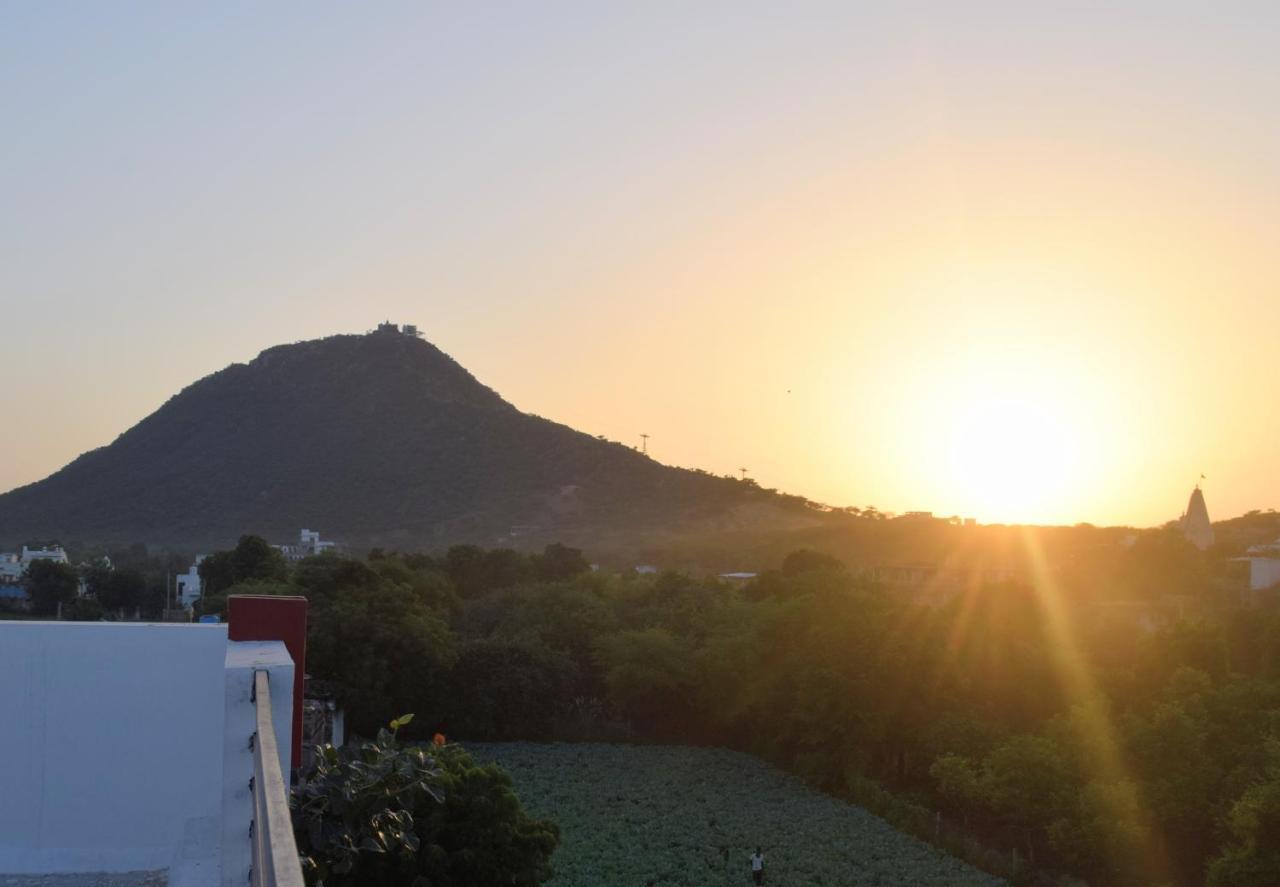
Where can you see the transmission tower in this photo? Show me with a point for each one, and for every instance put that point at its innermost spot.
(644, 444)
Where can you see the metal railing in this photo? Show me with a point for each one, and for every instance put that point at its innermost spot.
(274, 849)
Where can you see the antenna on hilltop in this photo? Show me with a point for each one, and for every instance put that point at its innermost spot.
(744, 472)
(644, 444)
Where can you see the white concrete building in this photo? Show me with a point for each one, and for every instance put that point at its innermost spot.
(10, 569)
(1264, 572)
(52, 553)
(309, 544)
(127, 747)
(1264, 565)
(188, 584)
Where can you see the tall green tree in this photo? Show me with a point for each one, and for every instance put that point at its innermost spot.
(48, 584)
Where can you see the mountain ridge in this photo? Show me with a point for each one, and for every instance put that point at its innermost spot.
(380, 438)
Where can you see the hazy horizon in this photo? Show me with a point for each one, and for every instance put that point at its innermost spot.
(998, 262)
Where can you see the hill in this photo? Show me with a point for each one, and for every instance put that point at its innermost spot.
(379, 439)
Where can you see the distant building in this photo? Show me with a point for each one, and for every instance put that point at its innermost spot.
(309, 544)
(188, 584)
(52, 553)
(737, 578)
(13, 565)
(646, 569)
(408, 329)
(10, 569)
(1264, 565)
(1195, 524)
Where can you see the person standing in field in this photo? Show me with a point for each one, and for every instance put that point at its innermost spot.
(757, 866)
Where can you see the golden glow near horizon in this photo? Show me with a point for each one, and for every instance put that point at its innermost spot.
(1012, 264)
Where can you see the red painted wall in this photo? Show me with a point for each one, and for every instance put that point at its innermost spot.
(261, 617)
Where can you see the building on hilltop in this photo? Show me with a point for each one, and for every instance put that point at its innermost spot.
(407, 329)
(1195, 524)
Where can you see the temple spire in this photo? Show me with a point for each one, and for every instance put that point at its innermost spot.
(1195, 522)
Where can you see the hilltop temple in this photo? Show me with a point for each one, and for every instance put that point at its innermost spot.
(1195, 522)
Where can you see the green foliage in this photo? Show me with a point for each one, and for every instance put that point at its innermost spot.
(354, 814)
(481, 836)
(503, 689)
(49, 584)
(123, 589)
(377, 641)
(252, 560)
(82, 609)
(1254, 822)
(558, 563)
(383, 814)
(806, 559)
(1118, 758)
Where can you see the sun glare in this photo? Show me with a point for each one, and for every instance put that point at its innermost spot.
(1012, 456)
(1010, 438)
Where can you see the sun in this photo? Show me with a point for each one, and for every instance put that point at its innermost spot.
(1012, 438)
(1013, 456)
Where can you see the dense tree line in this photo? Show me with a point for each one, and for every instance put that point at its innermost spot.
(1103, 749)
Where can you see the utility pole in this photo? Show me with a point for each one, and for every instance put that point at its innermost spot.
(644, 444)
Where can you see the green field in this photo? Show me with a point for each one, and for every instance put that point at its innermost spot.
(634, 815)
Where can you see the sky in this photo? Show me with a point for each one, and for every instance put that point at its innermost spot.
(996, 259)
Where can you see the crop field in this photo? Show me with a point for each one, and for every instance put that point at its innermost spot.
(663, 815)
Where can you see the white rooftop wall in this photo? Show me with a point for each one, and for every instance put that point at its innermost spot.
(242, 660)
(111, 745)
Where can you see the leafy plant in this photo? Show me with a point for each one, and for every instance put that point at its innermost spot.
(385, 814)
(353, 815)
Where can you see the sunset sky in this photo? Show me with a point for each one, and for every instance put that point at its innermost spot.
(975, 258)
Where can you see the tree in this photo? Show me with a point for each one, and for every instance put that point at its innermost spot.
(508, 690)
(559, 563)
(48, 584)
(1254, 823)
(217, 573)
(481, 836)
(382, 814)
(354, 814)
(383, 648)
(82, 609)
(252, 560)
(805, 559)
(122, 589)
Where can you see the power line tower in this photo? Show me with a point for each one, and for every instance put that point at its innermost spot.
(744, 472)
(644, 444)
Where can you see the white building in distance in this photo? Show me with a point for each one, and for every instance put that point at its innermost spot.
(309, 544)
(1264, 565)
(13, 565)
(188, 584)
(52, 553)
